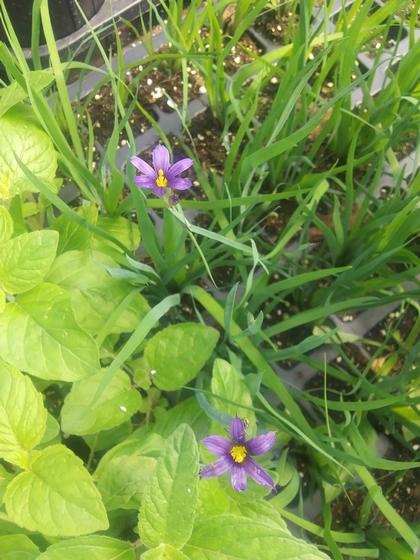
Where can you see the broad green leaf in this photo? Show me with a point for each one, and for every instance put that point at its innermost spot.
(124, 478)
(56, 496)
(13, 94)
(177, 353)
(230, 537)
(122, 229)
(90, 548)
(6, 225)
(2, 301)
(115, 405)
(22, 415)
(228, 383)
(18, 547)
(95, 293)
(26, 259)
(39, 335)
(21, 137)
(170, 500)
(5, 478)
(163, 552)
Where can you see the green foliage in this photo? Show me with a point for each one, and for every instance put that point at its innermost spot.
(22, 139)
(170, 499)
(22, 415)
(39, 334)
(305, 214)
(176, 354)
(55, 481)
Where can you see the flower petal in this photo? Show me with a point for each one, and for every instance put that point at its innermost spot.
(217, 468)
(256, 472)
(237, 430)
(261, 444)
(161, 158)
(180, 184)
(159, 191)
(143, 167)
(179, 167)
(217, 445)
(144, 182)
(238, 477)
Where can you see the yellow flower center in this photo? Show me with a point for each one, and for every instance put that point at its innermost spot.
(238, 453)
(161, 180)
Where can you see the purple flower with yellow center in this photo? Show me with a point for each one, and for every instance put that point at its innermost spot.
(162, 176)
(236, 455)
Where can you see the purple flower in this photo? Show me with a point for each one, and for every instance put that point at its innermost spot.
(162, 176)
(235, 455)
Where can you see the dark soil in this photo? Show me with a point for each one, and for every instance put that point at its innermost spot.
(162, 85)
(276, 220)
(277, 27)
(385, 41)
(206, 133)
(402, 490)
(101, 111)
(244, 52)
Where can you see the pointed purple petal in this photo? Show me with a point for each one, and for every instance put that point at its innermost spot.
(261, 444)
(161, 158)
(159, 191)
(143, 167)
(180, 184)
(217, 468)
(256, 472)
(238, 477)
(144, 182)
(237, 430)
(217, 445)
(179, 167)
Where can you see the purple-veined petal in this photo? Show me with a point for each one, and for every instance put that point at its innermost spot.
(161, 159)
(144, 182)
(217, 445)
(237, 430)
(217, 468)
(256, 472)
(238, 477)
(261, 444)
(159, 191)
(143, 167)
(179, 167)
(180, 184)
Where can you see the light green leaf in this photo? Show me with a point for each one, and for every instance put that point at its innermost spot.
(228, 383)
(13, 94)
(39, 335)
(177, 353)
(26, 259)
(122, 229)
(163, 552)
(6, 225)
(56, 496)
(94, 293)
(20, 135)
(124, 471)
(22, 415)
(2, 301)
(90, 548)
(123, 480)
(18, 547)
(115, 405)
(230, 537)
(5, 478)
(170, 500)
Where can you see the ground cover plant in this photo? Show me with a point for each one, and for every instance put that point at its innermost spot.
(209, 263)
